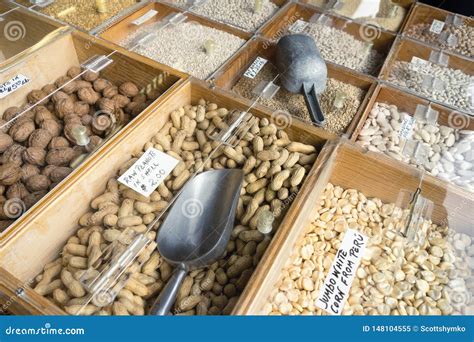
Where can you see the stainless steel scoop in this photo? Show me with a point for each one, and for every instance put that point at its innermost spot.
(303, 71)
(197, 229)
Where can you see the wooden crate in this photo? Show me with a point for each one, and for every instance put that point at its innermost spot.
(279, 3)
(351, 168)
(46, 229)
(382, 40)
(234, 69)
(406, 4)
(405, 49)
(22, 33)
(105, 18)
(425, 14)
(45, 65)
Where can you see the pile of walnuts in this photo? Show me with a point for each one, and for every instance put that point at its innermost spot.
(38, 147)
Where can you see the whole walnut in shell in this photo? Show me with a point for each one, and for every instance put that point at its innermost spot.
(139, 98)
(88, 95)
(40, 138)
(128, 89)
(83, 84)
(11, 113)
(138, 109)
(5, 142)
(70, 87)
(120, 101)
(22, 129)
(47, 170)
(110, 91)
(29, 170)
(90, 76)
(106, 105)
(14, 154)
(49, 88)
(34, 197)
(81, 108)
(59, 173)
(86, 120)
(64, 107)
(59, 95)
(61, 81)
(58, 142)
(17, 190)
(42, 114)
(95, 142)
(100, 84)
(35, 156)
(37, 96)
(37, 183)
(52, 126)
(60, 157)
(74, 71)
(9, 173)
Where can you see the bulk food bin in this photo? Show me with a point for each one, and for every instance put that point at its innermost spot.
(434, 74)
(441, 29)
(387, 14)
(86, 15)
(420, 133)
(25, 109)
(51, 225)
(255, 64)
(184, 41)
(23, 31)
(396, 276)
(246, 15)
(361, 47)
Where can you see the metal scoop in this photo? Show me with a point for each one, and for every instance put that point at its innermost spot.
(303, 71)
(196, 231)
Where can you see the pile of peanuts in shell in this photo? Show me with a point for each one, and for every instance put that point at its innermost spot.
(392, 279)
(37, 143)
(447, 148)
(274, 168)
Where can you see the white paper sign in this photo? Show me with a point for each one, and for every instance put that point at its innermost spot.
(437, 26)
(406, 129)
(417, 62)
(13, 85)
(147, 16)
(333, 294)
(149, 171)
(255, 68)
(298, 26)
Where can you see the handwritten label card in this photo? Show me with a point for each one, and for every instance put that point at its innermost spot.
(149, 171)
(13, 85)
(406, 129)
(298, 26)
(437, 26)
(334, 292)
(255, 68)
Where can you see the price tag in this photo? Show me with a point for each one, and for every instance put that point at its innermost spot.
(147, 16)
(13, 85)
(406, 128)
(334, 292)
(255, 68)
(149, 171)
(417, 62)
(298, 26)
(437, 26)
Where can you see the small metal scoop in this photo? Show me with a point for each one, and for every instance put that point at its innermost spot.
(302, 70)
(197, 229)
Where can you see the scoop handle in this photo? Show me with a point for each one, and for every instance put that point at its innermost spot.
(167, 297)
(312, 102)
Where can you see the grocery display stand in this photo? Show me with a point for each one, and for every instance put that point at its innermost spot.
(38, 236)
